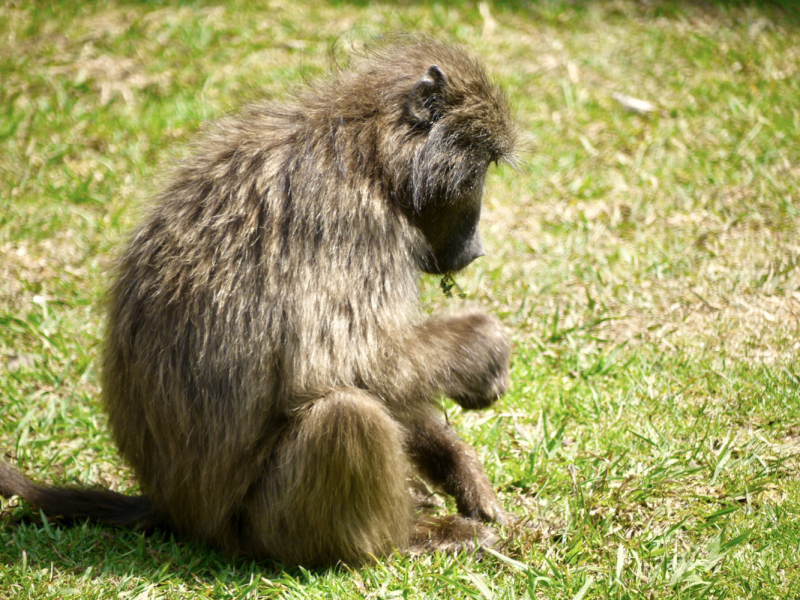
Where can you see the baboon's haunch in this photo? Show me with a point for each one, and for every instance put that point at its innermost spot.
(265, 371)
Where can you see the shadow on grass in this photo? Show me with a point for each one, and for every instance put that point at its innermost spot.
(158, 558)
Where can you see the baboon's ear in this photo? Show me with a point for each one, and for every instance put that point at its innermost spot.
(425, 102)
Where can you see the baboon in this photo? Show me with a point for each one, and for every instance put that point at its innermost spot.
(266, 371)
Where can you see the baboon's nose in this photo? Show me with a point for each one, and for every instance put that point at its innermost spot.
(474, 248)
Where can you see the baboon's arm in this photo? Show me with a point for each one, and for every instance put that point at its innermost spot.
(444, 460)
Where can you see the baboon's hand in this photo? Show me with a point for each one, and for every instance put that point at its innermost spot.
(478, 375)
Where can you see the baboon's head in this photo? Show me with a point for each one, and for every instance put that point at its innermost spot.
(467, 125)
(442, 122)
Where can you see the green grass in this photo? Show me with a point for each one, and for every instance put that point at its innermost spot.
(647, 268)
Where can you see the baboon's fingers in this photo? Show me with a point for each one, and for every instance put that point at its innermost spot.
(489, 511)
(471, 353)
(502, 517)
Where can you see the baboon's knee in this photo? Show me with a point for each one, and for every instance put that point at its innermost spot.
(351, 431)
(341, 484)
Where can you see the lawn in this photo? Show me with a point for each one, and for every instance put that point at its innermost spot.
(646, 266)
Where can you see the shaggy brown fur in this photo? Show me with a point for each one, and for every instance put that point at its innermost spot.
(265, 370)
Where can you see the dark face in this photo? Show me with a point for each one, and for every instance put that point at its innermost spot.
(452, 235)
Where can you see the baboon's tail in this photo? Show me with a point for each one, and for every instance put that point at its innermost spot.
(79, 504)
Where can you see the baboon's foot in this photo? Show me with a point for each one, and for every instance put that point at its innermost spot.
(452, 533)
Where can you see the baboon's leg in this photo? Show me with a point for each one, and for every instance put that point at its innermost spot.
(337, 487)
(444, 460)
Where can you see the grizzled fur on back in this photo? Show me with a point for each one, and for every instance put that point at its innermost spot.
(264, 356)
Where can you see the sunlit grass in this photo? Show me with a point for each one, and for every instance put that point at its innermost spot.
(646, 267)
